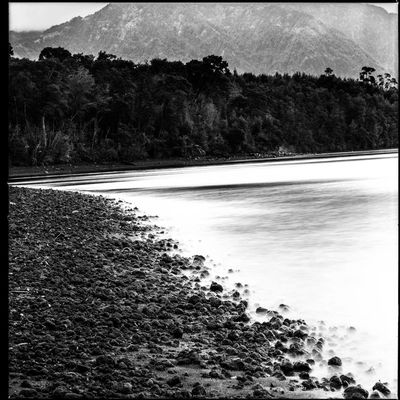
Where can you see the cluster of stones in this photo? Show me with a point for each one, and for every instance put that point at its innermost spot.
(102, 307)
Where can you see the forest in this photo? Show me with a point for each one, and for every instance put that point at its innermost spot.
(76, 108)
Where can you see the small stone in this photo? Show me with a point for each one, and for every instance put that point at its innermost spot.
(335, 361)
(126, 388)
(177, 333)
(304, 375)
(242, 318)
(287, 368)
(335, 382)
(355, 392)
(381, 388)
(301, 366)
(216, 287)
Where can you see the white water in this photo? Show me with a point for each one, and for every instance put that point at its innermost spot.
(318, 235)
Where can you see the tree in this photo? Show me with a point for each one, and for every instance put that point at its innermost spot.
(58, 53)
(103, 56)
(10, 50)
(328, 71)
(366, 75)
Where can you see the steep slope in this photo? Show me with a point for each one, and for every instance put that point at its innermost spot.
(258, 38)
(372, 28)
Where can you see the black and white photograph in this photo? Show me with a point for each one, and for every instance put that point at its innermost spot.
(202, 200)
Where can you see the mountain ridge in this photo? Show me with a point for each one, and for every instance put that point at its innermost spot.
(252, 37)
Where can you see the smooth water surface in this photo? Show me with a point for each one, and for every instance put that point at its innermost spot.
(318, 235)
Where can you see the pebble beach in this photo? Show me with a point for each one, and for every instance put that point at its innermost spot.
(101, 305)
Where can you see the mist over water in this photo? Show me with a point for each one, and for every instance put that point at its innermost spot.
(319, 236)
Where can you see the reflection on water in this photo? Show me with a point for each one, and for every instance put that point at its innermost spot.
(318, 235)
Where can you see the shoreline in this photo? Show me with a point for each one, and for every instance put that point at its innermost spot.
(102, 306)
(20, 173)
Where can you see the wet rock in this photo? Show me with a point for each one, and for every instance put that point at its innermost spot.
(283, 307)
(335, 361)
(199, 259)
(300, 334)
(216, 287)
(347, 380)
(301, 366)
(335, 382)
(355, 392)
(309, 384)
(380, 387)
(287, 368)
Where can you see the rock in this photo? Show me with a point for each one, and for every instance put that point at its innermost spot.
(375, 395)
(283, 307)
(177, 333)
(174, 381)
(216, 287)
(355, 392)
(233, 335)
(199, 259)
(198, 390)
(347, 380)
(309, 384)
(235, 364)
(380, 387)
(304, 375)
(242, 318)
(186, 357)
(261, 310)
(335, 382)
(301, 366)
(335, 361)
(287, 368)
(126, 388)
(300, 334)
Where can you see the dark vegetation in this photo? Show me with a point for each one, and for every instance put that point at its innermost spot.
(67, 108)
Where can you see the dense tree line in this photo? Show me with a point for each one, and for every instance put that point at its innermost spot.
(81, 108)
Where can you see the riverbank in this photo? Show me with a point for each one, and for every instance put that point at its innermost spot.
(101, 306)
(16, 173)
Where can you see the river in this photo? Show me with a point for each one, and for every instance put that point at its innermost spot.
(317, 235)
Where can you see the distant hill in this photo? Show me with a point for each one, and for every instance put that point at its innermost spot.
(258, 37)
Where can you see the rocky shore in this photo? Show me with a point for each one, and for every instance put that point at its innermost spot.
(102, 306)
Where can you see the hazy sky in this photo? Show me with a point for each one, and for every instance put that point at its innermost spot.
(39, 16)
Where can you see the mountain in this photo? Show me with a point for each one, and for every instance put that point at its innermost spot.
(252, 37)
